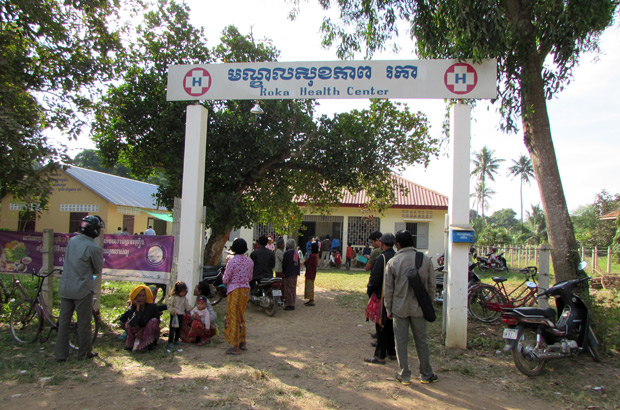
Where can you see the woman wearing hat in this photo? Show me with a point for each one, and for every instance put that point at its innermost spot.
(141, 320)
(237, 277)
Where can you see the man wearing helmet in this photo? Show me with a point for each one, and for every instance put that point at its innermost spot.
(83, 260)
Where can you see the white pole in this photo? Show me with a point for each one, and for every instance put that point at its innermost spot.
(456, 298)
(190, 237)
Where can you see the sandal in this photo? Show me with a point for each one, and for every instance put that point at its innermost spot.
(231, 350)
(200, 344)
(243, 346)
(374, 360)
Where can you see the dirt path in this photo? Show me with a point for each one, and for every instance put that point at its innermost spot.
(310, 358)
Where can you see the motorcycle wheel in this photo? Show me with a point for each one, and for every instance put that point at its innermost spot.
(478, 303)
(593, 346)
(270, 310)
(526, 342)
(215, 296)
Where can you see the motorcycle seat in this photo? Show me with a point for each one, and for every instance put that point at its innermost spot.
(549, 313)
(267, 281)
(498, 279)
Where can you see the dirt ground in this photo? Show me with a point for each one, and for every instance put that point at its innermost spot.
(310, 358)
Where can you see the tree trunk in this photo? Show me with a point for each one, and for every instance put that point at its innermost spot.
(215, 245)
(537, 138)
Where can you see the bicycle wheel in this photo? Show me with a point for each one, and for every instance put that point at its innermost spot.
(73, 334)
(26, 322)
(478, 303)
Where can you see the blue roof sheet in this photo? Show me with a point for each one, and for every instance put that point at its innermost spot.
(115, 189)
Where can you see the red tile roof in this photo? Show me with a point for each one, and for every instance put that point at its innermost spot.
(612, 215)
(416, 197)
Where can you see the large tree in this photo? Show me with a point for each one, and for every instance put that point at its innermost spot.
(523, 169)
(257, 167)
(485, 168)
(537, 43)
(52, 55)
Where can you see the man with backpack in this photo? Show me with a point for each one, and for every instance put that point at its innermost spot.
(402, 305)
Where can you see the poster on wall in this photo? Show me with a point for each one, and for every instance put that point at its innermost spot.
(126, 258)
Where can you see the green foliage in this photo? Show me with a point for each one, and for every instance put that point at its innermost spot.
(485, 167)
(53, 56)
(257, 167)
(536, 44)
(523, 169)
(590, 230)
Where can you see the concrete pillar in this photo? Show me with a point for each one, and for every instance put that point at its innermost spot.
(543, 274)
(456, 295)
(191, 232)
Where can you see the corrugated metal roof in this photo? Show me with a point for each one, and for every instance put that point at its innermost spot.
(115, 189)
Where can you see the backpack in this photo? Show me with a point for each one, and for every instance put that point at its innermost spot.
(421, 294)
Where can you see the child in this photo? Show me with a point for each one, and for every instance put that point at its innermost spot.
(349, 256)
(202, 327)
(178, 305)
(337, 259)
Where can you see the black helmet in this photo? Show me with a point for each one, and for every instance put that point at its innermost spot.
(91, 226)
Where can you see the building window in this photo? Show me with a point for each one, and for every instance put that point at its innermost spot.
(359, 229)
(419, 230)
(127, 210)
(75, 218)
(88, 208)
(262, 229)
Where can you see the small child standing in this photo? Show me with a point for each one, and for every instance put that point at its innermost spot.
(202, 327)
(178, 305)
(337, 259)
(349, 256)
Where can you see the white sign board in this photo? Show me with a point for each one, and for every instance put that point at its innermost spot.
(333, 80)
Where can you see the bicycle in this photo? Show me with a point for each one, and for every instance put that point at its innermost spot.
(10, 290)
(28, 317)
(485, 302)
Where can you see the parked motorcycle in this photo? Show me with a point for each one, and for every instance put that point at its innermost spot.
(473, 278)
(535, 336)
(493, 261)
(267, 295)
(213, 275)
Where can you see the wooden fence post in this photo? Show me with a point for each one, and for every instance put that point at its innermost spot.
(609, 260)
(543, 275)
(47, 292)
(594, 259)
(98, 279)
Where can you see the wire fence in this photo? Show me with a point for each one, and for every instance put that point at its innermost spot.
(601, 261)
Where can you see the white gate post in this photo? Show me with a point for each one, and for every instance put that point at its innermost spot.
(456, 297)
(190, 238)
(543, 274)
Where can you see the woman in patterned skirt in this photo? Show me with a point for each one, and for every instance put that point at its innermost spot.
(237, 277)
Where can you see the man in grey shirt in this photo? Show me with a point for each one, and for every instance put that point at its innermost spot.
(402, 306)
(83, 260)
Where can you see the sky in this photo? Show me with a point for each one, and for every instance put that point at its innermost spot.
(583, 117)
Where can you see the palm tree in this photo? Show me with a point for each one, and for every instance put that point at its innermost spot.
(481, 195)
(536, 220)
(523, 169)
(485, 166)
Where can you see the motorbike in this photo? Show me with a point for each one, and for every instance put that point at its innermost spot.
(473, 279)
(492, 261)
(535, 336)
(266, 294)
(213, 275)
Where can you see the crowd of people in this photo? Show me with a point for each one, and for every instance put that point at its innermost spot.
(393, 305)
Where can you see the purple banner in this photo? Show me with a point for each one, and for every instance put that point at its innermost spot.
(132, 258)
(20, 252)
